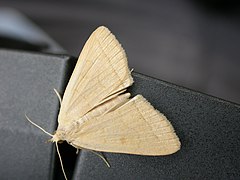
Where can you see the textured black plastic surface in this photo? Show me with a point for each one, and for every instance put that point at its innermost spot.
(26, 85)
(207, 127)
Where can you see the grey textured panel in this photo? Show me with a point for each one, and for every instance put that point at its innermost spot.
(26, 85)
(207, 127)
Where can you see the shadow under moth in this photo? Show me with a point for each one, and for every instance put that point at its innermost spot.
(98, 114)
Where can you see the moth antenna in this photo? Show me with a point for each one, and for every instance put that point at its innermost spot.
(58, 95)
(61, 161)
(39, 127)
(102, 157)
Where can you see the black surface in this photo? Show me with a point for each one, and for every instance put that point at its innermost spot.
(26, 85)
(208, 129)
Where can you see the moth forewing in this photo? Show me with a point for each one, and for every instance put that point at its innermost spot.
(133, 128)
(104, 108)
(100, 72)
(66, 132)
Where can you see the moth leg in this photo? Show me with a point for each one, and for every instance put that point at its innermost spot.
(96, 153)
(60, 158)
(77, 151)
(58, 95)
(101, 156)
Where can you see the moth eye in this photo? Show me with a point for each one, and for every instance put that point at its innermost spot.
(60, 141)
(70, 143)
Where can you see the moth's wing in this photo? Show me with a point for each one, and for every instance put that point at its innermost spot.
(134, 128)
(101, 71)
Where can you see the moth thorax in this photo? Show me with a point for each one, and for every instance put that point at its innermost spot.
(58, 136)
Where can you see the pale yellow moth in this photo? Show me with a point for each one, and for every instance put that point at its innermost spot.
(97, 114)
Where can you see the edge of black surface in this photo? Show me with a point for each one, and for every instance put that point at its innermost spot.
(64, 148)
(185, 89)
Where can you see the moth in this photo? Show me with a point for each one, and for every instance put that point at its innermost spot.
(98, 114)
